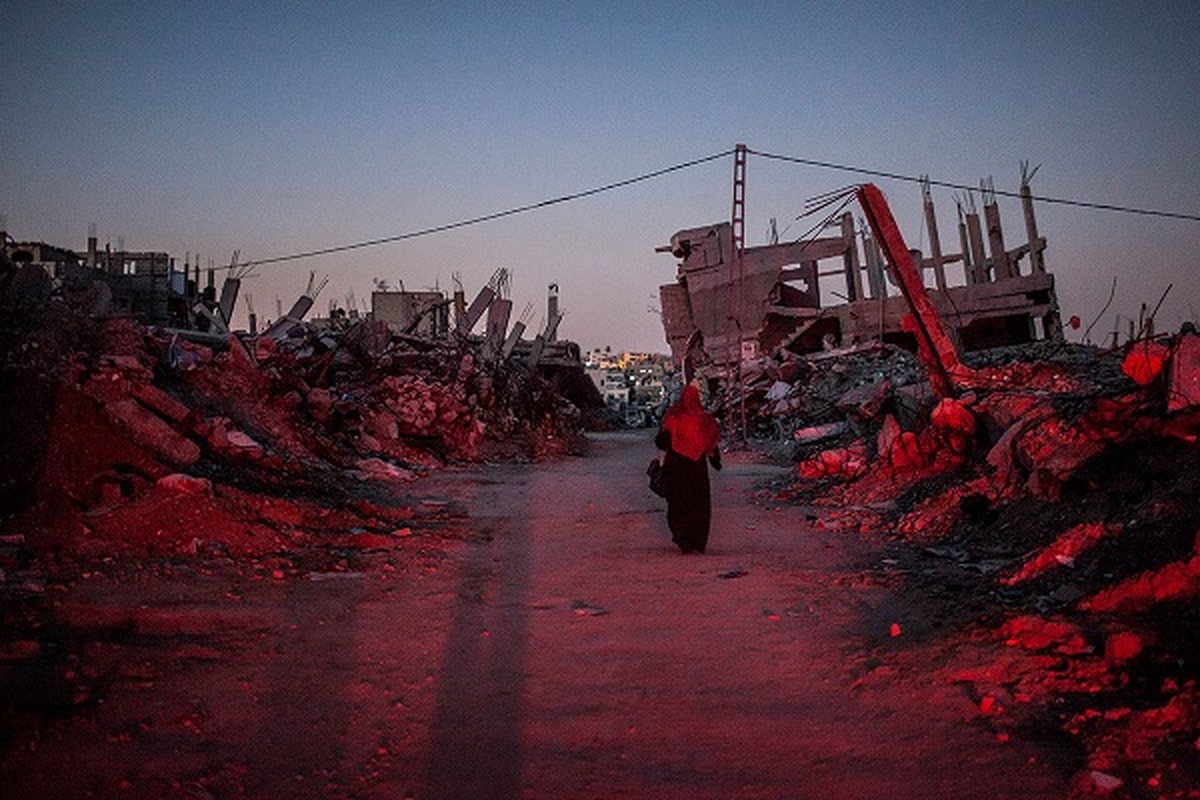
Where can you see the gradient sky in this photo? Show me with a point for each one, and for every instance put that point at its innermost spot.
(276, 128)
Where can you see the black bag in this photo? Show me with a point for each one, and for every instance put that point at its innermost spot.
(655, 473)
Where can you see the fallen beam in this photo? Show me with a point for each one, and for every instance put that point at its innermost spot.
(936, 349)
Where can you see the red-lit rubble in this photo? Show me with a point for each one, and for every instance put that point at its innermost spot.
(134, 455)
(134, 438)
(1047, 515)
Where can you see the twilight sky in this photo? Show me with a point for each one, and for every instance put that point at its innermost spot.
(277, 128)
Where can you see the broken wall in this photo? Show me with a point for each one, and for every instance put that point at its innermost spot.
(778, 296)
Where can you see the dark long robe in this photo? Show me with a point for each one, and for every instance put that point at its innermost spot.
(689, 497)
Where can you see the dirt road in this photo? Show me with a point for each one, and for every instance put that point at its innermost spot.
(537, 637)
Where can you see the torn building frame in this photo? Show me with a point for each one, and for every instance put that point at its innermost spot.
(726, 307)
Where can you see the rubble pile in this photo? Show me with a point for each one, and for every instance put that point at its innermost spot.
(1049, 512)
(139, 435)
(819, 397)
(141, 455)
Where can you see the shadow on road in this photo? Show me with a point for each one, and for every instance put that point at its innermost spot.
(475, 747)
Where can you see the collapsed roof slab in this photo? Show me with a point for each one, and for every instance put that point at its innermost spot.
(708, 321)
(979, 316)
(707, 297)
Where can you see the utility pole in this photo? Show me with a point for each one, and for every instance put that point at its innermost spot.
(737, 222)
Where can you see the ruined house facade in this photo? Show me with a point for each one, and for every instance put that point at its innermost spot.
(727, 307)
(50, 258)
(144, 283)
(426, 313)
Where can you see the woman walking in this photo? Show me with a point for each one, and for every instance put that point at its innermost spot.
(689, 436)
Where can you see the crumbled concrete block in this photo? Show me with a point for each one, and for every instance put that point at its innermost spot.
(160, 402)
(1183, 388)
(147, 429)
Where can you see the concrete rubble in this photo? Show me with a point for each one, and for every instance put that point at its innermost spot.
(1056, 495)
(1040, 493)
(1045, 491)
(139, 447)
(123, 424)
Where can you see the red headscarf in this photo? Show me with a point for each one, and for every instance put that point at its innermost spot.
(693, 431)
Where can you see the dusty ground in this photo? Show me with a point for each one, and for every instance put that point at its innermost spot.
(536, 636)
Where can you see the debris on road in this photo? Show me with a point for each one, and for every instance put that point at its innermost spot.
(582, 608)
(1039, 493)
(1062, 481)
(1036, 501)
(140, 433)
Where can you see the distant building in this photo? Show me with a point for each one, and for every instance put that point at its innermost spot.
(50, 258)
(32, 269)
(144, 284)
(424, 313)
(634, 385)
(613, 386)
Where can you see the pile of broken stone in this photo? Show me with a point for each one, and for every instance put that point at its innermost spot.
(1056, 491)
(288, 404)
(124, 415)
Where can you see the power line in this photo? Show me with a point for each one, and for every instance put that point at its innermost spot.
(682, 166)
(325, 251)
(895, 176)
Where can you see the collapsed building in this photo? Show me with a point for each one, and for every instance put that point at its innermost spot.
(1041, 495)
(1045, 502)
(732, 304)
(149, 287)
(130, 339)
(145, 284)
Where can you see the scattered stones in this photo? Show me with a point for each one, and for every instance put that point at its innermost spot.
(185, 484)
(150, 431)
(582, 608)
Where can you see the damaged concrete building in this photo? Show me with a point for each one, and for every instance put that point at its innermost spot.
(146, 284)
(149, 287)
(426, 313)
(731, 304)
